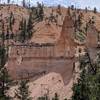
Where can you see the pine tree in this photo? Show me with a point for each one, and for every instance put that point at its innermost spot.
(86, 9)
(59, 9)
(3, 33)
(29, 5)
(79, 21)
(68, 11)
(5, 85)
(23, 30)
(88, 85)
(81, 89)
(95, 10)
(98, 59)
(24, 3)
(45, 97)
(8, 1)
(4, 77)
(7, 34)
(56, 97)
(98, 37)
(30, 26)
(72, 7)
(11, 21)
(40, 14)
(22, 93)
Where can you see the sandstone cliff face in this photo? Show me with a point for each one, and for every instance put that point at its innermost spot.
(51, 50)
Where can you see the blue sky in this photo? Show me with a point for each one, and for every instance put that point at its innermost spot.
(77, 3)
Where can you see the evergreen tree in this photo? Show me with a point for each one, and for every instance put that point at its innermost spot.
(3, 33)
(72, 7)
(86, 9)
(7, 34)
(11, 21)
(30, 26)
(8, 1)
(59, 9)
(88, 85)
(68, 11)
(81, 90)
(45, 97)
(98, 37)
(56, 97)
(24, 3)
(98, 60)
(4, 77)
(79, 21)
(40, 12)
(95, 10)
(23, 30)
(22, 93)
(29, 5)
(5, 84)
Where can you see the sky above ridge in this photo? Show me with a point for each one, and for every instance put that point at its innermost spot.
(65, 3)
